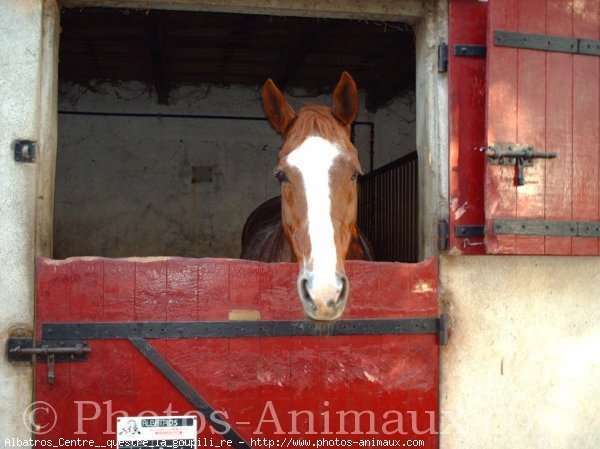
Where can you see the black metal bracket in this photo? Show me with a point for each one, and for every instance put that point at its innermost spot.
(470, 50)
(24, 150)
(547, 43)
(466, 231)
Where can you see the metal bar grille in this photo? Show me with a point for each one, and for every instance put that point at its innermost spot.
(388, 210)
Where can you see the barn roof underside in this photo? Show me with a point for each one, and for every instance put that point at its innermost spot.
(168, 48)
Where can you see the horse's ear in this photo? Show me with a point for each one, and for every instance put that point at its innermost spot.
(345, 99)
(278, 110)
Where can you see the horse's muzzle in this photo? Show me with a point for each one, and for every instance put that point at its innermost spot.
(323, 300)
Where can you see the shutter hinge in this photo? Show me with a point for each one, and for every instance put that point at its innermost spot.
(443, 233)
(467, 232)
(470, 50)
(442, 58)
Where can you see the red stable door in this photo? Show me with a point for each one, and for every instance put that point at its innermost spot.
(226, 340)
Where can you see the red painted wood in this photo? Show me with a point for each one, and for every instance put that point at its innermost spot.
(531, 119)
(466, 86)
(240, 377)
(502, 82)
(559, 124)
(549, 100)
(586, 125)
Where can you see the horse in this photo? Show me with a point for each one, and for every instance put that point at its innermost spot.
(313, 221)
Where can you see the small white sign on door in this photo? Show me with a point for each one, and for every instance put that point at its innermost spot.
(157, 432)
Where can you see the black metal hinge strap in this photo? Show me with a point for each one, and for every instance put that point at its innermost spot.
(547, 228)
(189, 393)
(547, 43)
(238, 329)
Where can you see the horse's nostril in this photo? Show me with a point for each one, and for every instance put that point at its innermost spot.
(344, 291)
(331, 303)
(305, 295)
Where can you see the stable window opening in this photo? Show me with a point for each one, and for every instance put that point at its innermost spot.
(163, 147)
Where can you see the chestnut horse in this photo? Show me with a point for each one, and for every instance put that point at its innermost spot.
(313, 222)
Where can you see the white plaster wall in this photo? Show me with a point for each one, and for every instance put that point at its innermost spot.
(522, 369)
(21, 80)
(123, 184)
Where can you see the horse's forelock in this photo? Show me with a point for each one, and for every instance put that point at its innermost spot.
(313, 120)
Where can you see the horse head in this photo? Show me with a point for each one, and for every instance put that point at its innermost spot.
(318, 168)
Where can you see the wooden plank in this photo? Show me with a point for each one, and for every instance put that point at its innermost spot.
(213, 354)
(559, 125)
(150, 305)
(411, 10)
(182, 305)
(275, 371)
(502, 73)
(53, 289)
(87, 305)
(244, 355)
(466, 84)
(531, 118)
(586, 125)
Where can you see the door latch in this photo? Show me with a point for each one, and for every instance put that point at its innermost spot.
(519, 155)
(22, 349)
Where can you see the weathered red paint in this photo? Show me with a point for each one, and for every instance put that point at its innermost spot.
(549, 100)
(319, 374)
(466, 86)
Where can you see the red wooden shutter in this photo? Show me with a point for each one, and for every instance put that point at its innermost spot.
(549, 100)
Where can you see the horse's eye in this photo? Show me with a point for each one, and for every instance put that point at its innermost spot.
(281, 176)
(355, 176)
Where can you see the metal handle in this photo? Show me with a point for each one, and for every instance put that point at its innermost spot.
(20, 349)
(47, 350)
(519, 155)
(525, 153)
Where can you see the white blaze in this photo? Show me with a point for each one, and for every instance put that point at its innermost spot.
(314, 159)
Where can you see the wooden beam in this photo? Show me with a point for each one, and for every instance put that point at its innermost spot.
(406, 10)
(299, 44)
(155, 39)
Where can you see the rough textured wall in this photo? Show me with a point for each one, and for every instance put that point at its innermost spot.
(522, 369)
(124, 184)
(21, 28)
